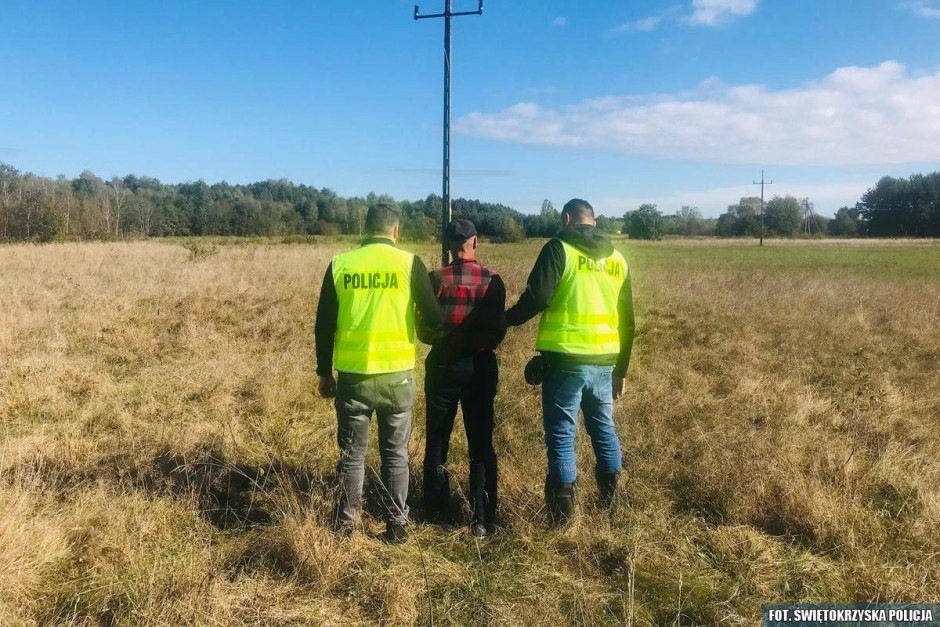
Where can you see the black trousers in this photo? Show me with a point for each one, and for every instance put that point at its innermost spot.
(472, 382)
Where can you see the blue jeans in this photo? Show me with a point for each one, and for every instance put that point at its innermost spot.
(567, 388)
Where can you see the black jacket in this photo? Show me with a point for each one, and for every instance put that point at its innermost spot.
(328, 309)
(472, 322)
(543, 281)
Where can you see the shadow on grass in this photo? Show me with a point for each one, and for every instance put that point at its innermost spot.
(228, 495)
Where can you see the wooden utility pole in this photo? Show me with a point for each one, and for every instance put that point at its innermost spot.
(762, 182)
(445, 196)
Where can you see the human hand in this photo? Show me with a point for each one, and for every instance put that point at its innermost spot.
(326, 386)
(619, 385)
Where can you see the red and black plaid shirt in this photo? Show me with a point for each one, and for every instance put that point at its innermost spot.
(473, 298)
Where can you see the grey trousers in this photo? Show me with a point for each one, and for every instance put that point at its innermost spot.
(390, 396)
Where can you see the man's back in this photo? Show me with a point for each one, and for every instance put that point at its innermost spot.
(581, 287)
(462, 369)
(375, 320)
(473, 298)
(365, 328)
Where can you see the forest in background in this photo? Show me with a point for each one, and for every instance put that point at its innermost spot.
(87, 207)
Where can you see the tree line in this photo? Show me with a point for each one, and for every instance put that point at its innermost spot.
(43, 209)
(894, 207)
(36, 208)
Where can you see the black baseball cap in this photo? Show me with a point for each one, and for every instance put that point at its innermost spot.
(460, 230)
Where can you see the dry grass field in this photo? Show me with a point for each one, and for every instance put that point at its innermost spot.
(164, 459)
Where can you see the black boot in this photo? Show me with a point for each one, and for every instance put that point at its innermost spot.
(483, 497)
(436, 493)
(478, 496)
(559, 497)
(492, 496)
(395, 533)
(606, 487)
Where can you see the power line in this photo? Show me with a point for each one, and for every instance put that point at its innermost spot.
(445, 200)
(762, 182)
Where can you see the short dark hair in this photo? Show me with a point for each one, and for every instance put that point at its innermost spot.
(381, 218)
(579, 210)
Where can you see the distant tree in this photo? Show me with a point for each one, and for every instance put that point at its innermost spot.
(87, 185)
(610, 226)
(94, 205)
(356, 210)
(783, 216)
(541, 225)
(246, 217)
(687, 222)
(118, 194)
(322, 227)
(331, 207)
(493, 220)
(194, 199)
(740, 219)
(902, 207)
(149, 182)
(372, 198)
(35, 217)
(65, 201)
(845, 222)
(144, 209)
(419, 228)
(507, 229)
(433, 206)
(673, 225)
(694, 223)
(9, 179)
(644, 223)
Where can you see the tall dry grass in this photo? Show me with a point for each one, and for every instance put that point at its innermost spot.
(164, 458)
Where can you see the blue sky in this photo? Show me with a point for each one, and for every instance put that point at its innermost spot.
(676, 103)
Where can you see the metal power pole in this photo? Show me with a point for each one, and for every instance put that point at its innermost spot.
(762, 182)
(445, 196)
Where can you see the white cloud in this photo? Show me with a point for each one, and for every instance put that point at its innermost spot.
(560, 21)
(856, 115)
(716, 12)
(703, 13)
(924, 8)
(644, 25)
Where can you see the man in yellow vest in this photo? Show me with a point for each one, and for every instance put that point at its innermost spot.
(365, 328)
(581, 286)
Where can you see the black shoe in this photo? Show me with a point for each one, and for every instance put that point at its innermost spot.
(344, 529)
(395, 533)
(479, 531)
(606, 487)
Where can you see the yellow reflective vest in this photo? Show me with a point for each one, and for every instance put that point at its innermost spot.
(582, 318)
(375, 326)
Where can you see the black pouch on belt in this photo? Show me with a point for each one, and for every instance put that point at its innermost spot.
(535, 370)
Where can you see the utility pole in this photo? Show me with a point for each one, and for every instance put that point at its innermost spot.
(762, 182)
(445, 196)
(809, 217)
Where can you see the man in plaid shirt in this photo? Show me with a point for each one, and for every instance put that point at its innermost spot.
(461, 367)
